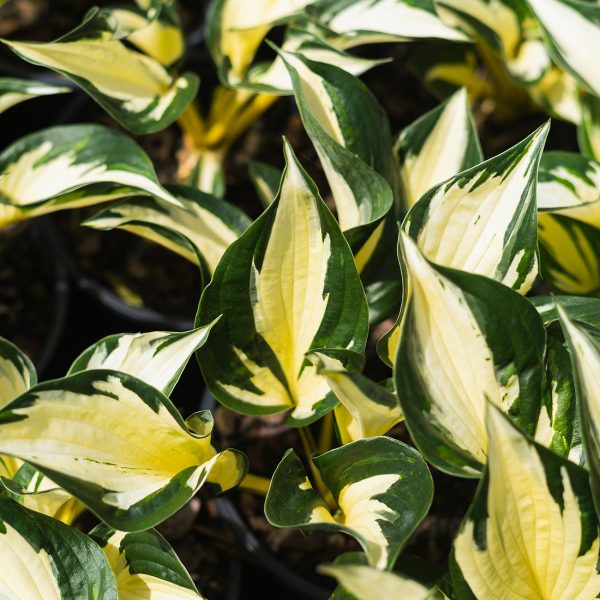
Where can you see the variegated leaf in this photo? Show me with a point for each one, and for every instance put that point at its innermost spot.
(118, 445)
(366, 583)
(72, 166)
(9, 466)
(266, 179)
(584, 346)
(558, 94)
(157, 358)
(202, 226)
(506, 27)
(559, 423)
(234, 34)
(43, 559)
(153, 27)
(575, 53)
(288, 285)
(569, 221)
(569, 184)
(145, 566)
(15, 91)
(463, 340)
(37, 492)
(377, 21)
(352, 139)
(382, 487)
(366, 409)
(483, 220)
(580, 308)
(17, 373)
(437, 146)
(570, 254)
(531, 532)
(588, 132)
(274, 77)
(446, 67)
(134, 89)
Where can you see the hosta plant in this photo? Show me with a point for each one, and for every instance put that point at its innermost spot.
(395, 321)
(104, 438)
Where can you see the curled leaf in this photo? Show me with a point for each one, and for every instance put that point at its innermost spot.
(118, 445)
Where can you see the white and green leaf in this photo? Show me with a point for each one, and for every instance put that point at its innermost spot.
(580, 308)
(200, 229)
(352, 140)
(588, 131)
(569, 221)
(135, 89)
(367, 409)
(234, 34)
(559, 423)
(506, 27)
(17, 373)
(157, 358)
(484, 220)
(379, 21)
(299, 39)
(144, 564)
(447, 67)
(569, 184)
(43, 559)
(72, 166)
(570, 254)
(14, 91)
(37, 492)
(366, 583)
(9, 465)
(382, 487)
(583, 342)
(463, 340)
(286, 295)
(531, 531)
(153, 27)
(558, 94)
(437, 146)
(117, 445)
(351, 135)
(574, 53)
(266, 179)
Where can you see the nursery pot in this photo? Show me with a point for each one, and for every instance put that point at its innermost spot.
(65, 232)
(30, 275)
(256, 551)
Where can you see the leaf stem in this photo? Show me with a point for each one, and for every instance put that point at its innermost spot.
(308, 443)
(255, 483)
(192, 124)
(326, 433)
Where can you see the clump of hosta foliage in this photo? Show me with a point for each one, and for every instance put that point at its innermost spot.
(493, 381)
(104, 438)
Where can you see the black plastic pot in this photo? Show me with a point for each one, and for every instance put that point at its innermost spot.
(57, 292)
(259, 555)
(61, 307)
(143, 317)
(256, 552)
